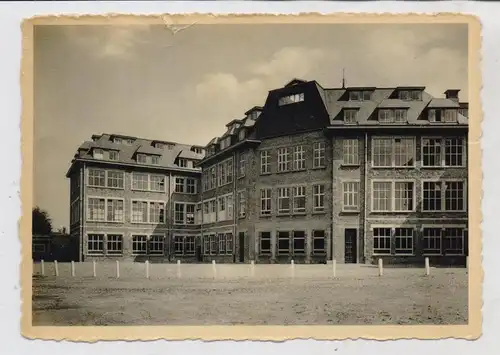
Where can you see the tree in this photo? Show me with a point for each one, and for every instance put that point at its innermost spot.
(41, 224)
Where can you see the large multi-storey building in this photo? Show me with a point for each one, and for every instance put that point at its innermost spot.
(352, 174)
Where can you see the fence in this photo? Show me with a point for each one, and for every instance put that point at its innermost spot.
(134, 270)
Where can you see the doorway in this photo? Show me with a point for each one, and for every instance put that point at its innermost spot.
(351, 235)
(241, 237)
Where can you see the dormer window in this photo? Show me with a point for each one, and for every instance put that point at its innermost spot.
(142, 158)
(350, 116)
(410, 95)
(400, 115)
(183, 163)
(443, 115)
(117, 140)
(253, 115)
(98, 154)
(450, 115)
(155, 160)
(197, 150)
(242, 134)
(362, 95)
(291, 99)
(226, 142)
(129, 141)
(159, 145)
(113, 155)
(392, 115)
(464, 112)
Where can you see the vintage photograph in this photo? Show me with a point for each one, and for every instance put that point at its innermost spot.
(245, 173)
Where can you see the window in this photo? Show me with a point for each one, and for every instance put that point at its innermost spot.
(185, 185)
(433, 155)
(410, 95)
(139, 211)
(155, 160)
(38, 248)
(350, 191)
(156, 245)
(242, 204)
(205, 177)
(265, 202)
(400, 115)
(178, 245)
(350, 152)
(360, 95)
(393, 152)
(191, 186)
(265, 243)
(381, 240)
(96, 210)
(98, 154)
(139, 245)
(189, 245)
(97, 178)
(182, 163)
(443, 115)
(291, 99)
(159, 145)
(350, 116)
(451, 192)
(319, 155)
(393, 196)
(179, 185)
(140, 181)
(318, 240)
(213, 244)
(229, 243)
(95, 244)
(403, 241)
(222, 243)
(299, 242)
(142, 158)
(450, 115)
(283, 243)
(284, 163)
(115, 179)
(284, 200)
(242, 165)
(454, 241)
(129, 141)
(432, 241)
(318, 198)
(157, 183)
(206, 245)
(179, 215)
(385, 116)
(416, 95)
(190, 212)
(299, 199)
(213, 178)
(225, 172)
(113, 155)
(265, 162)
(299, 158)
(115, 210)
(114, 244)
(242, 134)
(157, 212)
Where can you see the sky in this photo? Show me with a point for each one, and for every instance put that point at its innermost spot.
(149, 82)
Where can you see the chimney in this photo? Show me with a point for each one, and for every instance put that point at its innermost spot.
(452, 94)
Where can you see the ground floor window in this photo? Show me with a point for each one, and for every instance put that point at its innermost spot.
(206, 245)
(431, 238)
(229, 243)
(222, 243)
(189, 244)
(38, 248)
(156, 245)
(299, 242)
(319, 245)
(382, 240)
(178, 245)
(265, 243)
(114, 244)
(283, 243)
(95, 244)
(139, 244)
(213, 244)
(403, 241)
(453, 242)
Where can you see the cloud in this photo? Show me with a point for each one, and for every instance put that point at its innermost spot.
(114, 42)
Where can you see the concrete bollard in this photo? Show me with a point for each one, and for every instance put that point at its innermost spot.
(147, 268)
(179, 269)
(56, 268)
(334, 265)
(380, 267)
(42, 265)
(214, 267)
(427, 267)
(72, 268)
(292, 267)
(117, 269)
(94, 273)
(252, 268)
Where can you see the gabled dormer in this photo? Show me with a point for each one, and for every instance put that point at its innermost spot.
(253, 113)
(197, 149)
(408, 93)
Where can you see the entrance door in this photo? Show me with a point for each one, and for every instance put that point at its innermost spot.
(351, 245)
(241, 238)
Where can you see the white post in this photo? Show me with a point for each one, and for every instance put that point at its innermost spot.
(214, 268)
(94, 269)
(427, 267)
(178, 269)
(292, 266)
(380, 267)
(72, 268)
(42, 265)
(117, 269)
(56, 269)
(334, 264)
(147, 269)
(252, 268)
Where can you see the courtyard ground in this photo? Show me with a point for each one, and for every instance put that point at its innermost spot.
(197, 294)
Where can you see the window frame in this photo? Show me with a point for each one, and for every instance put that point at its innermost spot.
(148, 207)
(268, 198)
(265, 162)
(350, 149)
(443, 195)
(443, 153)
(96, 252)
(106, 177)
(319, 195)
(355, 196)
(392, 190)
(265, 252)
(319, 155)
(393, 152)
(105, 218)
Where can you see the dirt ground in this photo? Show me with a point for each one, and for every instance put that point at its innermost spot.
(307, 295)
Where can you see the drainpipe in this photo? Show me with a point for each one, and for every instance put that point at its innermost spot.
(82, 210)
(169, 220)
(235, 177)
(365, 223)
